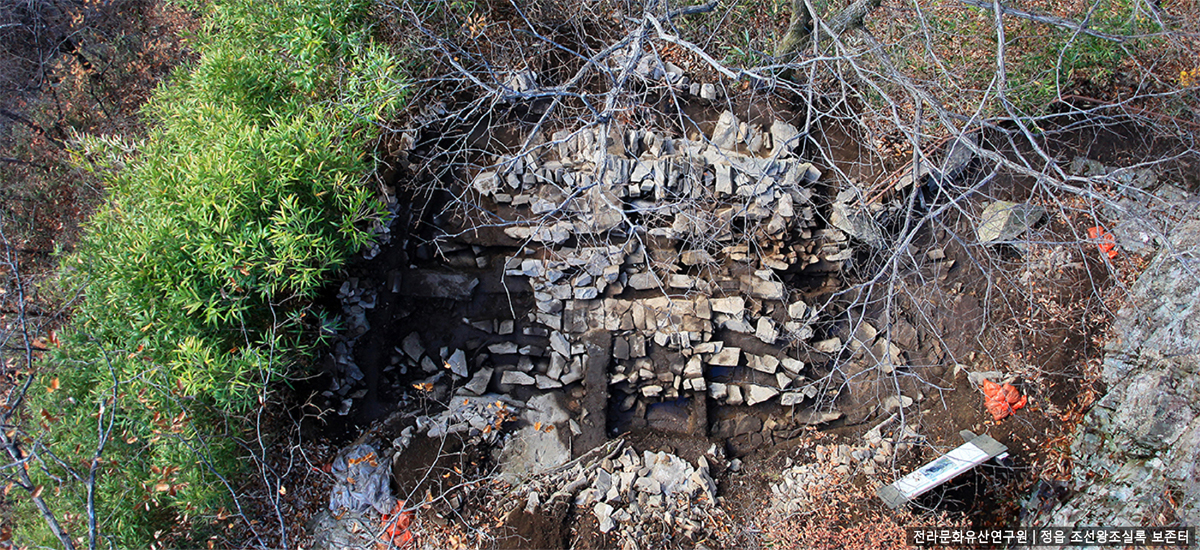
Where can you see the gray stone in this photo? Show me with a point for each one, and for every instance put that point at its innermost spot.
(648, 485)
(519, 82)
(767, 290)
(756, 394)
(791, 365)
(725, 132)
(532, 268)
(530, 451)
(1142, 439)
(724, 179)
(734, 394)
(893, 402)
(506, 327)
(857, 223)
(603, 513)
(503, 348)
(904, 334)
(458, 363)
(560, 344)
(718, 391)
(361, 481)
(479, 383)
(832, 345)
(643, 281)
(763, 363)
(516, 378)
(754, 139)
(733, 305)
(737, 324)
(797, 310)
(412, 346)
(791, 398)
(784, 137)
(1003, 221)
(677, 280)
(485, 183)
(696, 257)
(708, 91)
(428, 365)
(621, 348)
(727, 357)
(766, 331)
(957, 159)
(558, 366)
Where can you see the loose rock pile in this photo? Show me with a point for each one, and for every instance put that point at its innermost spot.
(629, 492)
(631, 495)
(803, 485)
(356, 298)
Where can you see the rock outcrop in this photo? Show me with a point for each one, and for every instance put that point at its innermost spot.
(1136, 451)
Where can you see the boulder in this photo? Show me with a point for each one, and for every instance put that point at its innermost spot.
(1003, 221)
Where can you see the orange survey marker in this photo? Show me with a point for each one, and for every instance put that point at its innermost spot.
(1001, 401)
(395, 525)
(1105, 241)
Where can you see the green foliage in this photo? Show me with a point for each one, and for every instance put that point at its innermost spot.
(1047, 61)
(952, 49)
(198, 274)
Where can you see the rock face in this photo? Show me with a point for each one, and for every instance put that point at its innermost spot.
(1142, 440)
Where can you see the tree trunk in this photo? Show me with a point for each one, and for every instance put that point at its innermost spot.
(802, 25)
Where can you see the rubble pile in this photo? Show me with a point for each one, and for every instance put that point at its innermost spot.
(631, 492)
(631, 495)
(356, 298)
(802, 486)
